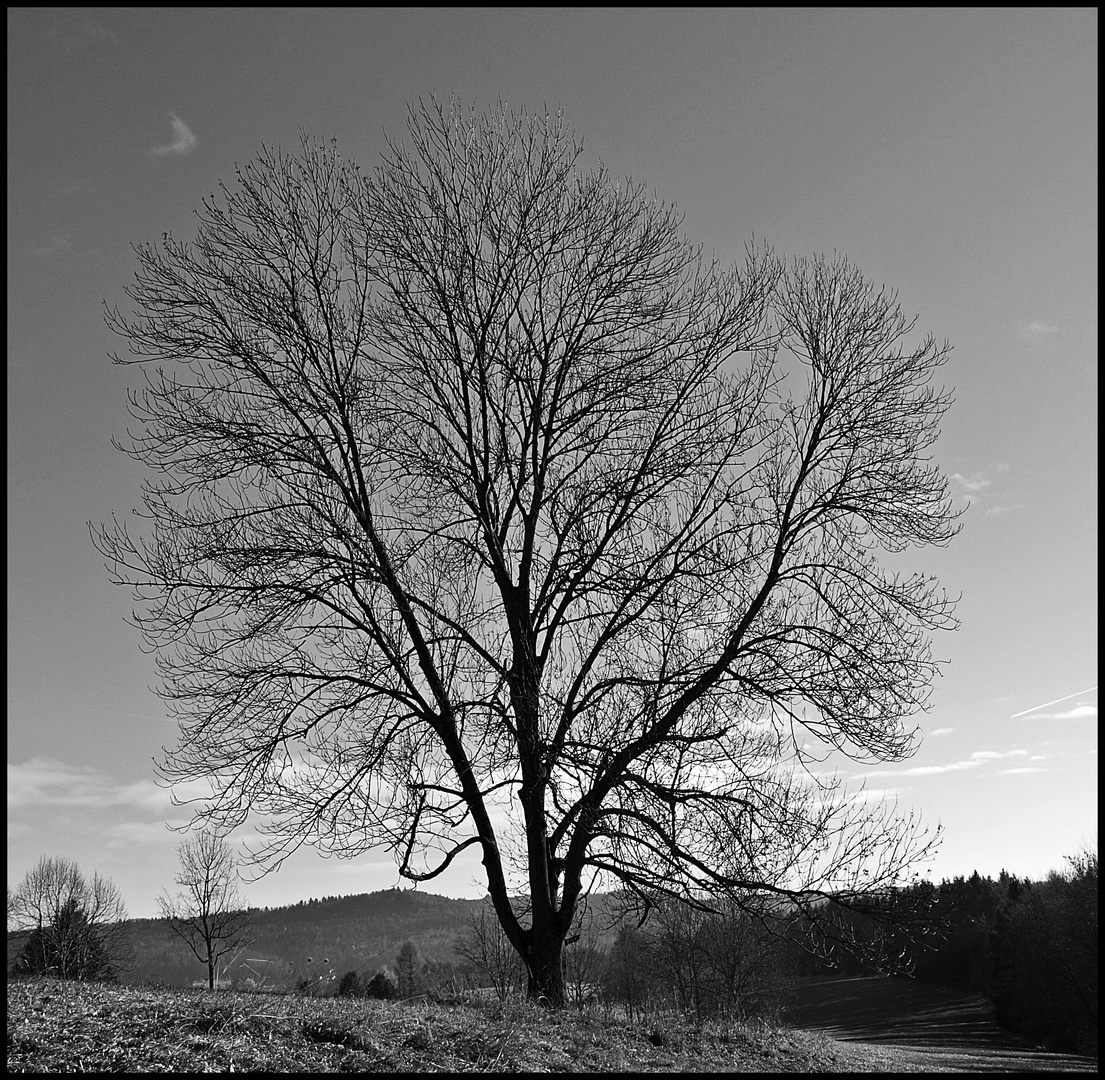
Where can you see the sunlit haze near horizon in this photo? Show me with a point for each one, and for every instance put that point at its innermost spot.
(950, 154)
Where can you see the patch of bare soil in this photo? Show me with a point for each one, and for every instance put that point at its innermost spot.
(923, 1028)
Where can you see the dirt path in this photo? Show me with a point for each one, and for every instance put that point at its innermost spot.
(923, 1028)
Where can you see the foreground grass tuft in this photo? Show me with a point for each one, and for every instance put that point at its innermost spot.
(79, 1027)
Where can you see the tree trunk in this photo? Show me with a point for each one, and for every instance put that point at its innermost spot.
(210, 975)
(544, 963)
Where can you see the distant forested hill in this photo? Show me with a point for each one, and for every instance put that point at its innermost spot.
(313, 938)
(333, 935)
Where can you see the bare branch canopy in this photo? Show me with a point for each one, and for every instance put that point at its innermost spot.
(483, 512)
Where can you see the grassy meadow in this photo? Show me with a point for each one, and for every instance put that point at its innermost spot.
(82, 1027)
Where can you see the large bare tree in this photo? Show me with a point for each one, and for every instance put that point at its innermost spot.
(207, 914)
(484, 513)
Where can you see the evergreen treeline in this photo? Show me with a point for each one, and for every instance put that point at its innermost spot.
(1031, 947)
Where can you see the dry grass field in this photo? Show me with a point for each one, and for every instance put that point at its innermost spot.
(84, 1027)
(75, 1027)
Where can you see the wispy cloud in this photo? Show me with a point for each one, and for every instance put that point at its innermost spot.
(975, 761)
(976, 482)
(874, 795)
(939, 732)
(46, 782)
(184, 142)
(1041, 329)
(865, 796)
(926, 770)
(79, 32)
(1017, 772)
(1080, 711)
(970, 488)
(1035, 710)
(127, 834)
(59, 253)
(59, 244)
(978, 487)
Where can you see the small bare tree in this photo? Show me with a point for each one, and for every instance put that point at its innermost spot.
(584, 967)
(76, 926)
(629, 974)
(485, 945)
(207, 914)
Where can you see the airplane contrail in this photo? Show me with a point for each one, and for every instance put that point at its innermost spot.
(1047, 703)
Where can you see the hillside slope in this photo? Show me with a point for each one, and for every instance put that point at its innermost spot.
(923, 1027)
(330, 936)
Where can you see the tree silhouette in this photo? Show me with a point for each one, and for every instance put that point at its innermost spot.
(380, 986)
(408, 970)
(76, 926)
(486, 514)
(485, 945)
(207, 914)
(68, 948)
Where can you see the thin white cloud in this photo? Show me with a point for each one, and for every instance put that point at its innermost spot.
(974, 483)
(977, 759)
(357, 868)
(183, 140)
(939, 732)
(1041, 329)
(977, 486)
(927, 770)
(935, 770)
(129, 833)
(45, 782)
(1017, 772)
(60, 244)
(1054, 701)
(864, 796)
(874, 795)
(1079, 712)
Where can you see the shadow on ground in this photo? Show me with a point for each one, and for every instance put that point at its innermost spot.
(940, 1028)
